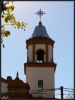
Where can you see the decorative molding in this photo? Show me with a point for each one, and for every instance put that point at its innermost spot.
(40, 41)
(41, 65)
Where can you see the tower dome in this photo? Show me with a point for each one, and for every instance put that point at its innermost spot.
(40, 31)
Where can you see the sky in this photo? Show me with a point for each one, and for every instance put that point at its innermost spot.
(59, 21)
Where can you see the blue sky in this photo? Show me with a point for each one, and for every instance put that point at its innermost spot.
(59, 21)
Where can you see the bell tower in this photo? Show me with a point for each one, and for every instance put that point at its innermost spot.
(40, 67)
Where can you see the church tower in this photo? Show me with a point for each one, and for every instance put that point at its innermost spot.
(40, 68)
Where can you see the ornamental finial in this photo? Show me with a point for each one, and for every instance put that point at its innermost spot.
(40, 13)
(17, 74)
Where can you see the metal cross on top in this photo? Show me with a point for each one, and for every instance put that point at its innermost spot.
(40, 13)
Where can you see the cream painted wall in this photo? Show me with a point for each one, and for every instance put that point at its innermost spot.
(40, 46)
(4, 87)
(45, 74)
(30, 53)
(49, 53)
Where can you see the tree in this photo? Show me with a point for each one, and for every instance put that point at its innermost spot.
(8, 18)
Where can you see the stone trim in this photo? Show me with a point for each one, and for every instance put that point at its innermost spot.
(40, 41)
(41, 65)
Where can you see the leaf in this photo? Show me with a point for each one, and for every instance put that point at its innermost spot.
(8, 32)
(18, 24)
(9, 18)
(12, 23)
(6, 19)
(5, 33)
(10, 7)
(2, 26)
(25, 24)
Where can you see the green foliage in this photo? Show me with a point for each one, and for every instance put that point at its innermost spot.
(5, 33)
(9, 18)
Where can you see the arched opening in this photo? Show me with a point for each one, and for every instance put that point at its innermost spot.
(40, 56)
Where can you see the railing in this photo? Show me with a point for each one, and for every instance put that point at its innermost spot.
(60, 93)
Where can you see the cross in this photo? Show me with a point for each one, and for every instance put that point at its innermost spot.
(40, 13)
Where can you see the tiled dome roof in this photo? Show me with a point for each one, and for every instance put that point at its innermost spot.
(40, 31)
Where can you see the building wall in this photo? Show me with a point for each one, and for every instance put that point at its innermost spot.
(4, 87)
(40, 46)
(30, 53)
(45, 74)
(49, 53)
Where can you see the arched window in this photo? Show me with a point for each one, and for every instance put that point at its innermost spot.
(40, 56)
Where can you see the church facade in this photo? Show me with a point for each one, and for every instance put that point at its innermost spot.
(40, 67)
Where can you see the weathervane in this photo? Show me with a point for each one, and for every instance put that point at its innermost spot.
(40, 13)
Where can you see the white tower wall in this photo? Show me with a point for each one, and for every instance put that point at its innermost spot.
(30, 53)
(50, 53)
(46, 74)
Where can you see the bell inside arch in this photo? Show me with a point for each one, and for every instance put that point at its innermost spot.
(40, 56)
